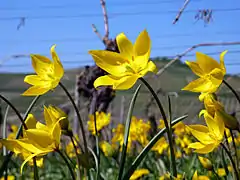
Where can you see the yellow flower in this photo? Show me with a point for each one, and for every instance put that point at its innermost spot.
(107, 149)
(161, 124)
(70, 148)
(221, 172)
(13, 133)
(126, 67)
(138, 133)
(210, 137)
(9, 177)
(48, 74)
(197, 177)
(210, 73)
(166, 176)
(102, 120)
(161, 145)
(206, 163)
(139, 173)
(38, 140)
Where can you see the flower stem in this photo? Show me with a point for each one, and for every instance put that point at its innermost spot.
(225, 135)
(78, 115)
(232, 161)
(35, 169)
(235, 148)
(67, 163)
(97, 143)
(233, 91)
(169, 135)
(76, 152)
(15, 110)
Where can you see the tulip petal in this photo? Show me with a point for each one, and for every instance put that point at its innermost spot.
(104, 81)
(47, 117)
(125, 46)
(35, 80)
(150, 67)
(201, 133)
(222, 60)
(206, 63)
(111, 62)
(31, 121)
(58, 68)
(35, 91)
(201, 85)
(39, 138)
(202, 148)
(125, 82)
(195, 68)
(40, 63)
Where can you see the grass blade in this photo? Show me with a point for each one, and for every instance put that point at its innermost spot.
(126, 132)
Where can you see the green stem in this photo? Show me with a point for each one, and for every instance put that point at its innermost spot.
(35, 169)
(147, 148)
(169, 135)
(233, 91)
(8, 157)
(232, 161)
(235, 148)
(78, 115)
(67, 163)
(76, 152)
(97, 144)
(126, 133)
(215, 174)
(15, 110)
(225, 135)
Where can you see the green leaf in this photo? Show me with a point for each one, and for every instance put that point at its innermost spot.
(126, 132)
(147, 148)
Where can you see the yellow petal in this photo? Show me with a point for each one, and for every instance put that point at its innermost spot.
(142, 48)
(111, 62)
(142, 45)
(56, 133)
(35, 91)
(206, 63)
(195, 68)
(104, 81)
(201, 85)
(150, 67)
(217, 76)
(41, 126)
(39, 138)
(125, 82)
(219, 126)
(47, 117)
(222, 60)
(34, 80)
(40, 63)
(58, 68)
(125, 46)
(26, 160)
(31, 121)
(207, 149)
(200, 132)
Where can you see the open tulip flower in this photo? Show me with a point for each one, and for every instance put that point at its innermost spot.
(126, 67)
(49, 74)
(211, 73)
(38, 140)
(209, 136)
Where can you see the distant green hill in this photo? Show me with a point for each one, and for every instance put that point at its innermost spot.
(172, 80)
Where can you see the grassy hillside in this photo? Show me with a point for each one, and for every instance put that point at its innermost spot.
(172, 80)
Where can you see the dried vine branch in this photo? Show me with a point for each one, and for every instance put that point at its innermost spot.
(181, 11)
(179, 56)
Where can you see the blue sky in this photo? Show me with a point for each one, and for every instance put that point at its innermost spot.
(68, 24)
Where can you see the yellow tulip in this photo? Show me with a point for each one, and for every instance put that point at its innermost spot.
(107, 149)
(38, 140)
(48, 74)
(9, 177)
(209, 136)
(210, 72)
(102, 120)
(139, 173)
(197, 177)
(126, 67)
(206, 163)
